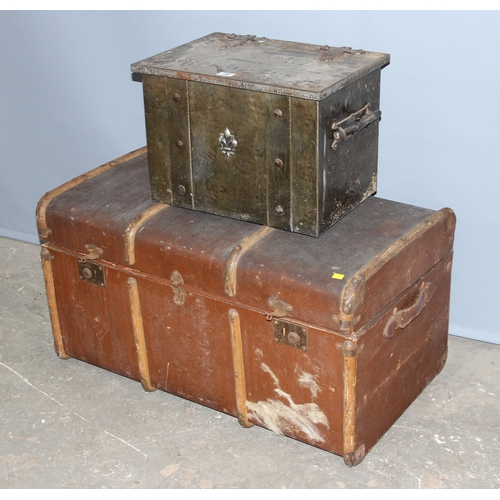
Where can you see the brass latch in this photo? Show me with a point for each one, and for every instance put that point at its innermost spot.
(91, 272)
(179, 292)
(280, 309)
(290, 334)
(94, 252)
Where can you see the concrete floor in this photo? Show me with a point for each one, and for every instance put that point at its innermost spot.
(66, 424)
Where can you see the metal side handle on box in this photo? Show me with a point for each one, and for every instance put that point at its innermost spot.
(354, 123)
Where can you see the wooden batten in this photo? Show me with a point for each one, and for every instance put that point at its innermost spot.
(51, 299)
(239, 368)
(134, 226)
(235, 256)
(140, 342)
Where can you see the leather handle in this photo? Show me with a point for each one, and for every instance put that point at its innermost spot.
(403, 317)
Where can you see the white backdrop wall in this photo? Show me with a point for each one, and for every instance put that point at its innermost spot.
(68, 104)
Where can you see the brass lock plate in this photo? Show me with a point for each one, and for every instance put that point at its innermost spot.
(91, 272)
(290, 334)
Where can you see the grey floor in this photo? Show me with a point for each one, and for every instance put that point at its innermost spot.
(66, 424)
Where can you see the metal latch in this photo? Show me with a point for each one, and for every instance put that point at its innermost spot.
(94, 252)
(91, 272)
(280, 309)
(354, 123)
(179, 292)
(290, 334)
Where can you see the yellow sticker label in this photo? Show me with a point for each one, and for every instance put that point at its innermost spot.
(338, 276)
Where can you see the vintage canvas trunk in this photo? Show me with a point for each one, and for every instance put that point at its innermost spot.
(327, 340)
(278, 133)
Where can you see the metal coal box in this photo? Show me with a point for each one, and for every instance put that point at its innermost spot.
(278, 133)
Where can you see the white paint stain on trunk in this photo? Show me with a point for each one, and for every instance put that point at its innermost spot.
(280, 415)
(307, 380)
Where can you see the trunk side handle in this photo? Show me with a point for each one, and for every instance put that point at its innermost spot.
(403, 317)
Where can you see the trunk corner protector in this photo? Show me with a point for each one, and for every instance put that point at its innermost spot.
(237, 252)
(354, 458)
(349, 348)
(450, 215)
(352, 297)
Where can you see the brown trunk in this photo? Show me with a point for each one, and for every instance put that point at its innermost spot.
(325, 340)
